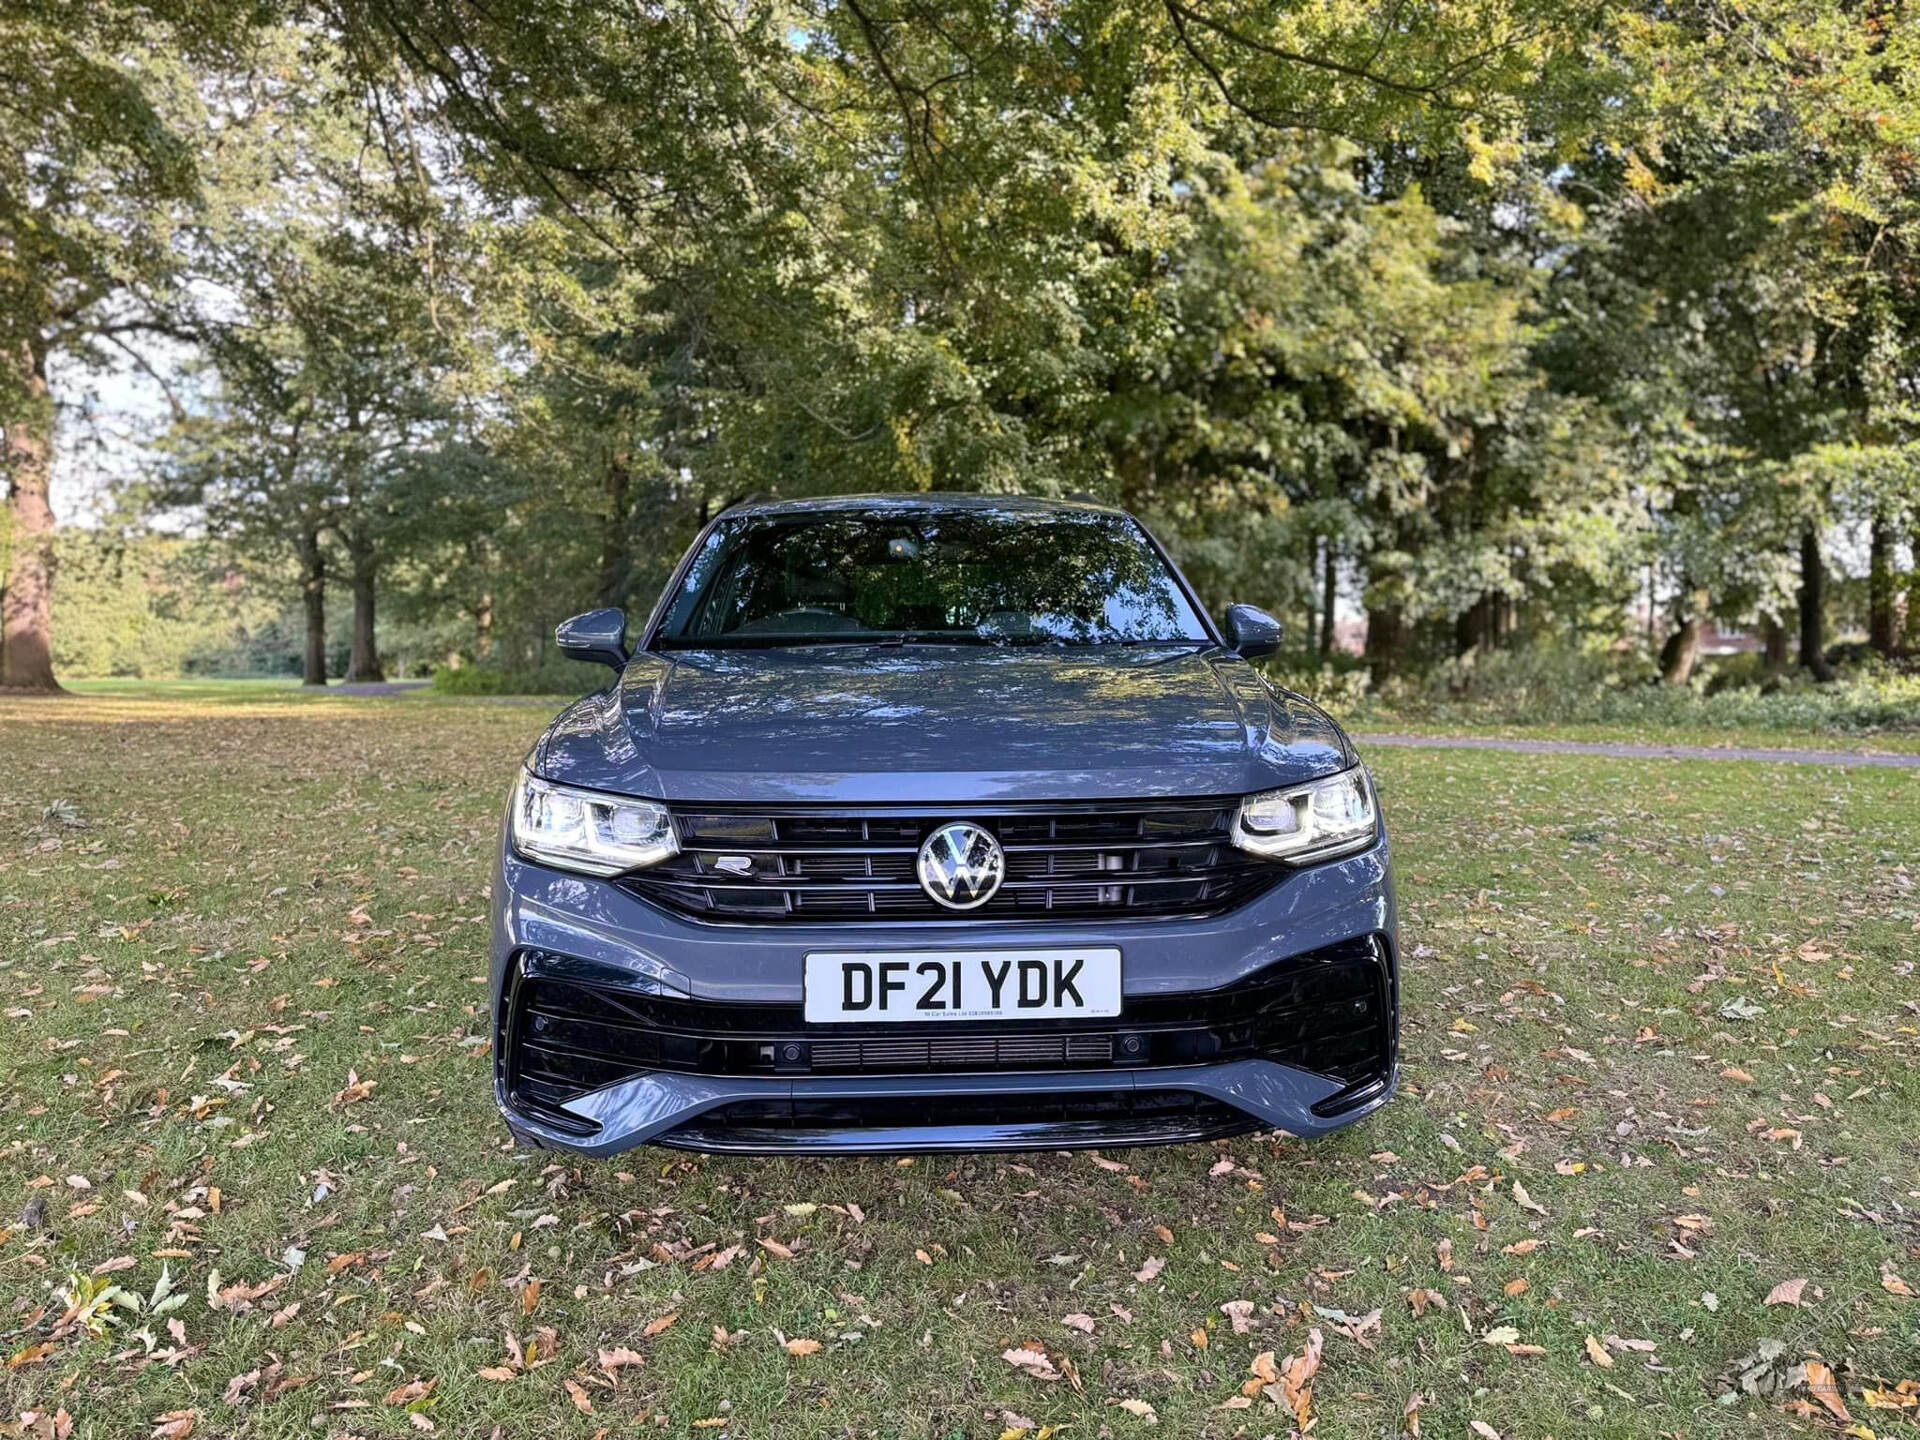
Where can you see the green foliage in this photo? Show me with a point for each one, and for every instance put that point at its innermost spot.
(160, 607)
(556, 677)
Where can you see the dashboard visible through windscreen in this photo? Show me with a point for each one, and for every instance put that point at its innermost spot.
(978, 575)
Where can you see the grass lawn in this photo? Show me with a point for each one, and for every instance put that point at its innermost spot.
(1660, 1043)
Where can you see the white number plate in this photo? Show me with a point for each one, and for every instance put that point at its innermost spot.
(845, 987)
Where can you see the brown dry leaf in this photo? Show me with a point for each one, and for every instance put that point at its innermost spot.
(1153, 1267)
(174, 1425)
(1526, 1201)
(1443, 1251)
(578, 1394)
(1240, 1314)
(1296, 1378)
(1484, 1430)
(1077, 1321)
(1034, 1362)
(1514, 1287)
(497, 1372)
(613, 1359)
(1787, 1292)
(1264, 1373)
(1597, 1353)
(1410, 1417)
(776, 1249)
(1422, 1298)
(1824, 1388)
(1140, 1408)
(1520, 1247)
(655, 1326)
(1737, 1075)
(1111, 1166)
(411, 1391)
(802, 1346)
(355, 1091)
(1199, 1338)
(529, 1296)
(1894, 1285)
(238, 1386)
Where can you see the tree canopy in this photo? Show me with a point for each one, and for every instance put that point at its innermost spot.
(1492, 321)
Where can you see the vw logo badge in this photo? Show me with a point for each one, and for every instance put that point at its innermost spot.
(961, 865)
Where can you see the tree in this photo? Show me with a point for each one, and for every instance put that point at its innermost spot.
(96, 171)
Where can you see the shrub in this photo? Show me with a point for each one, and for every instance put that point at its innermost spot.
(556, 677)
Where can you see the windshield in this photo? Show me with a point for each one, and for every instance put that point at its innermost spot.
(972, 576)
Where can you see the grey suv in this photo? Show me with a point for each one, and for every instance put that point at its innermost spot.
(937, 822)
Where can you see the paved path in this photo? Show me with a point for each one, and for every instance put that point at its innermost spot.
(1624, 751)
(377, 687)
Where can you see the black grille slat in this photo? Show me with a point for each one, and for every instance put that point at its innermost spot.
(1111, 860)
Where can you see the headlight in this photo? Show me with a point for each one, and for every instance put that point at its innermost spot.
(588, 831)
(1329, 817)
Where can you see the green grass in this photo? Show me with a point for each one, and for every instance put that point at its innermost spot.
(246, 901)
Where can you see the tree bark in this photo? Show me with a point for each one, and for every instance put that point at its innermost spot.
(1329, 597)
(483, 628)
(1813, 607)
(363, 660)
(1386, 640)
(313, 596)
(1682, 650)
(1774, 635)
(616, 559)
(1882, 618)
(26, 531)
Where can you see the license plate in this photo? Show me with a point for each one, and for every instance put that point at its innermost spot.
(846, 987)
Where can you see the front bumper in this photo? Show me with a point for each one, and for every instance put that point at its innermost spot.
(677, 1031)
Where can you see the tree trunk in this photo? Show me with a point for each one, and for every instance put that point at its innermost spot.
(1813, 607)
(483, 628)
(1386, 641)
(1682, 650)
(1774, 634)
(313, 597)
(26, 532)
(1882, 618)
(616, 561)
(363, 660)
(1329, 596)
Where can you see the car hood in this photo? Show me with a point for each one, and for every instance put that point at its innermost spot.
(939, 724)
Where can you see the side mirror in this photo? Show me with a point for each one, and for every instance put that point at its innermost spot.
(1251, 632)
(598, 637)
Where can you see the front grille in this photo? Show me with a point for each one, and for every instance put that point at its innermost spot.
(1329, 1011)
(809, 863)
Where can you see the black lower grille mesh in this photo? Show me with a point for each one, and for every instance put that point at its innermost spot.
(1138, 858)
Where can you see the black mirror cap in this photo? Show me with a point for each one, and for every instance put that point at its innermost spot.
(598, 637)
(1252, 633)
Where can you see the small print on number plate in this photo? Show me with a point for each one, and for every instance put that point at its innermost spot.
(852, 986)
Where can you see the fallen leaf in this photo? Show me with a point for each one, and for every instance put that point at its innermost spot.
(1239, 1313)
(1500, 1335)
(618, 1356)
(578, 1394)
(663, 1322)
(1824, 1388)
(1033, 1362)
(1787, 1292)
(1526, 1201)
(413, 1390)
(1597, 1353)
(1296, 1378)
(1077, 1321)
(497, 1372)
(802, 1346)
(1142, 1409)
(1153, 1267)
